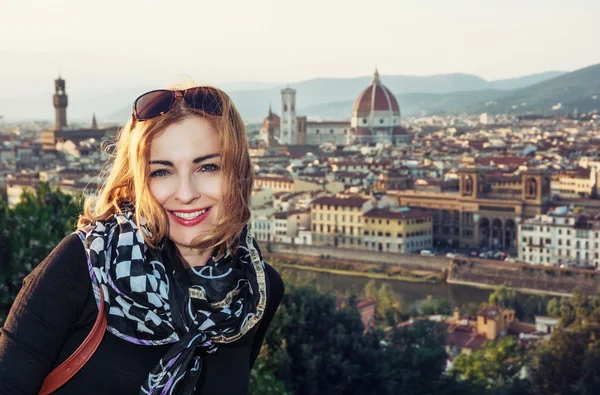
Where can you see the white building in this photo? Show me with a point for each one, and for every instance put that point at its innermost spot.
(560, 237)
(288, 224)
(375, 119)
(288, 116)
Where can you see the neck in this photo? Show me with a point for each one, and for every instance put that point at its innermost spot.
(193, 257)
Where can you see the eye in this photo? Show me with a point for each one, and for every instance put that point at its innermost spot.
(209, 168)
(159, 173)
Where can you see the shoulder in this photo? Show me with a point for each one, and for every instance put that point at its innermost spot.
(66, 260)
(276, 288)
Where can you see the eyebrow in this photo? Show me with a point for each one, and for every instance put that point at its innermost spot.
(197, 160)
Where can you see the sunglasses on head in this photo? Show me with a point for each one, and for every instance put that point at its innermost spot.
(156, 103)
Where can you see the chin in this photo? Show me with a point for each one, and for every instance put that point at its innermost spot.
(185, 236)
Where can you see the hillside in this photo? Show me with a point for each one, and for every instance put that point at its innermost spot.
(579, 90)
(330, 96)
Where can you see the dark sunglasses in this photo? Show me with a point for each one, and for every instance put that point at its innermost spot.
(155, 103)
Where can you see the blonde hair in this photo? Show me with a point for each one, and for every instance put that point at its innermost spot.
(127, 176)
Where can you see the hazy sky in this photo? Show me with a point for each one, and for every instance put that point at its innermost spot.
(98, 44)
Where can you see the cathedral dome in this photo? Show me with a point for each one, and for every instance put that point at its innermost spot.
(376, 97)
(273, 120)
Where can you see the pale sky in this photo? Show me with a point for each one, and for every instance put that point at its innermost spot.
(98, 44)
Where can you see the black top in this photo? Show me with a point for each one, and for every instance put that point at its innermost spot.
(55, 311)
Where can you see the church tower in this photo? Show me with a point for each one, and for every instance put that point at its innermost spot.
(60, 104)
(288, 117)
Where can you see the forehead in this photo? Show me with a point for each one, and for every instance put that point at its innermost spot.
(186, 140)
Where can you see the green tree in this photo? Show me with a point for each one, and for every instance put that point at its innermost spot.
(498, 365)
(262, 380)
(29, 231)
(435, 306)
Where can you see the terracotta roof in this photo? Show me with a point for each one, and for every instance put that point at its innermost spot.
(376, 97)
(491, 312)
(504, 160)
(465, 337)
(286, 214)
(387, 213)
(330, 200)
(274, 178)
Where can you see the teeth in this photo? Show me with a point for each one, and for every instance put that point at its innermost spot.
(193, 215)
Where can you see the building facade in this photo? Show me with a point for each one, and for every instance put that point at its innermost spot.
(560, 237)
(338, 221)
(398, 229)
(485, 211)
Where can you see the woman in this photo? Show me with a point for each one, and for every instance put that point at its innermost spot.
(167, 250)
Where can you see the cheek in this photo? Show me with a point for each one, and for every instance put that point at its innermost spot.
(160, 190)
(212, 187)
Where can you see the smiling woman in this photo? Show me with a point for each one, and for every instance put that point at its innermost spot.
(167, 259)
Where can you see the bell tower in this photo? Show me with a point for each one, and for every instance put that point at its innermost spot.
(288, 117)
(60, 104)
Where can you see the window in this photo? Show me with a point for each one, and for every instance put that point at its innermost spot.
(331, 131)
(381, 120)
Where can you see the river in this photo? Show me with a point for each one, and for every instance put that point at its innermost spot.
(408, 292)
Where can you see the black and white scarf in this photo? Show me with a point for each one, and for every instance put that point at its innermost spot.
(148, 302)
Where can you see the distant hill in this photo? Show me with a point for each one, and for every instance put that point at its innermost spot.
(579, 90)
(329, 96)
(332, 97)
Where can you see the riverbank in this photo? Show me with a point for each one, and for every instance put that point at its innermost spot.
(380, 271)
(526, 291)
(374, 276)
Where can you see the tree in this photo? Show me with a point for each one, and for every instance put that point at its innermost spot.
(28, 232)
(316, 349)
(567, 363)
(435, 306)
(388, 304)
(496, 366)
(262, 380)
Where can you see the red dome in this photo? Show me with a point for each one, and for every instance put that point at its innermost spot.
(376, 97)
(272, 119)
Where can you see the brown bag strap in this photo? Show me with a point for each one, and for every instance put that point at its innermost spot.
(66, 370)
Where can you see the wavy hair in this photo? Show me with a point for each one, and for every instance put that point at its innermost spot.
(128, 173)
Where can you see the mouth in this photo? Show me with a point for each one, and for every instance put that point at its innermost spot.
(190, 217)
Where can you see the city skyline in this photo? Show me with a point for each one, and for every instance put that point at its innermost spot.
(96, 48)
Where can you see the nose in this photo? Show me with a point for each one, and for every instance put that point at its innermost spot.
(186, 191)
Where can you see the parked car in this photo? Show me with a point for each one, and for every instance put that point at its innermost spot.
(427, 253)
(450, 255)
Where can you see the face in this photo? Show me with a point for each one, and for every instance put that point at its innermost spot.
(185, 177)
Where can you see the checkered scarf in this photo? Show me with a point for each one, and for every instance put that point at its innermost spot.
(152, 300)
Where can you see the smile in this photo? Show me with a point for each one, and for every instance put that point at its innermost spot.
(190, 218)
